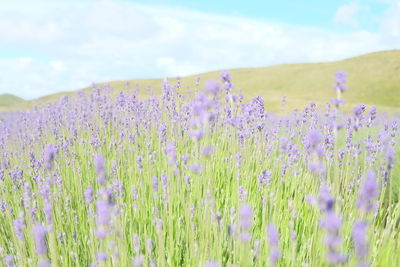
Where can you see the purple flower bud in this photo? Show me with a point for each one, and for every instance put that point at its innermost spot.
(325, 200)
(89, 195)
(100, 166)
(49, 155)
(101, 256)
(19, 228)
(369, 192)
(312, 140)
(359, 235)
(170, 150)
(149, 245)
(48, 210)
(211, 264)
(264, 179)
(212, 87)
(197, 134)
(208, 150)
(136, 243)
(138, 261)
(155, 184)
(341, 79)
(134, 193)
(273, 240)
(226, 76)
(103, 212)
(44, 263)
(246, 216)
(185, 159)
(196, 168)
(273, 236)
(9, 260)
(358, 111)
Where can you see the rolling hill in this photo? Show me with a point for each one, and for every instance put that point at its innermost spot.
(9, 100)
(373, 79)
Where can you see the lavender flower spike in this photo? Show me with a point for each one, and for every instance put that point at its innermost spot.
(359, 235)
(49, 155)
(100, 166)
(273, 240)
(39, 235)
(369, 192)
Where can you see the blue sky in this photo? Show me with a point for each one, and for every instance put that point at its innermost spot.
(315, 13)
(51, 46)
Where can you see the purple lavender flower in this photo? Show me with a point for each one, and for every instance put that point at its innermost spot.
(372, 116)
(211, 264)
(325, 200)
(9, 260)
(390, 154)
(162, 131)
(89, 195)
(19, 228)
(149, 245)
(212, 87)
(197, 134)
(44, 263)
(312, 140)
(340, 79)
(39, 235)
(136, 243)
(369, 192)
(273, 236)
(358, 111)
(103, 212)
(316, 167)
(264, 179)
(359, 235)
(238, 159)
(337, 102)
(49, 156)
(332, 224)
(170, 150)
(208, 150)
(197, 80)
(185, 158)
(134, 193)
(196, 168)
(273, 240)
(226, 76)
(155, 184)
(100, 166)
(246, 216)
(47, 210)
(103, 218)
(101, 256)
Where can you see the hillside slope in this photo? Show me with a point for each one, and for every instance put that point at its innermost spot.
(373, 79)
(9, 100)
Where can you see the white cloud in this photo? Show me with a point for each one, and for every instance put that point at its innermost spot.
(347, 14)
(80, 43)
(57, 66)
(391, 21)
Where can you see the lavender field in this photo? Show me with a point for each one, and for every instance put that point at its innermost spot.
(198, 177)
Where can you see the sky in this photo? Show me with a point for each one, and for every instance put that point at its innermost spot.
(52, 46)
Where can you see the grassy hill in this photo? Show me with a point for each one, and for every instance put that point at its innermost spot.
(373, 79)
(8, 100)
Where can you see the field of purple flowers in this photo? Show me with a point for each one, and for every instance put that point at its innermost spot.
(198, 177)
